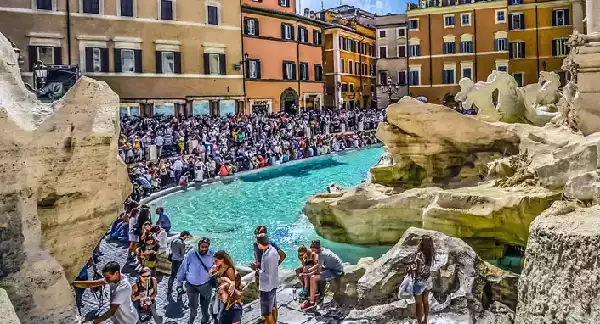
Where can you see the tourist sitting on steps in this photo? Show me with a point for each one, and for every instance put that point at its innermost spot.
(143, 295)
(331, 267)
(163, 219)
(309, 260)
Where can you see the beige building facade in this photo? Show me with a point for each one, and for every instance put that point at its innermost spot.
(161, 57)
(392, 59)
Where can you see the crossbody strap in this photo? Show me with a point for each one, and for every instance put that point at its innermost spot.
(202, 263)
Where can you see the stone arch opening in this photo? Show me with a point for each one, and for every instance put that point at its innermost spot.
(289, 101)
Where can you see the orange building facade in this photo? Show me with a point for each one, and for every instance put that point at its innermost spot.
(350, 66)
(283, 58)
(449, 40)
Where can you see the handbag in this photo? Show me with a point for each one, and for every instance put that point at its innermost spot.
(406, 287)
(212, 280)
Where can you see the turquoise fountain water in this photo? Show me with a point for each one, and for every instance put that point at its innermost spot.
(227, 213)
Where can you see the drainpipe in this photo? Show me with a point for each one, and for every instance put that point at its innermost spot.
(360, 76)
(474, 45)
(537, 42)
(68, 8)
(430, 57)
(298, 63)
(244, 67)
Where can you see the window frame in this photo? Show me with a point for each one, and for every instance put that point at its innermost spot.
(521, 22)
(290, 28)
(379, 52)
(384, 31)
(496, 20)
(210, 70)
(497, 45)
(163, 61)
(300, 77)
(453, 16)
(216, 5)
(522, 74)
(255, 21)
(133, 9)
(173, 10)
(303, 31)
(403, 29)
(453, 69)
(462, 47)
(318, 76)
(36, 7)
(398, 51)
(465, 14)
(291, 78)
(284, 3)
(410, 27)
(413, 46)
(445, 49)
(565, 17)
(411, 80)
(94, 50)
(100, 7)
(37, 49)
(249, 75)
(516, 44)
(318, 40)
(123, 51)
(565, 44)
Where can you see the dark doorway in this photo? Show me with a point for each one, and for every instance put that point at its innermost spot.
(289, 101)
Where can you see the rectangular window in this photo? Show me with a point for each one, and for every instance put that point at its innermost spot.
(413, 78)
(500, 44)
(45, 54)
(382, 52)
(383, 78)
(344, 87)
(343, 67)
(318, 72)
(560, 17)
(289, 71)
(413, 24)
(401, 32)
(519, 78)
(213, 15)
(502, 67)
(402, 78)
(96, 60)
(373, 70)
(342, 42)
(560, 47)
(448, 21)
(364, 69)
(351, 87)
(516, 50)
(449, 48)
(284, 3)
(317, 38)
(304, 71)
(414, 50)
(402, 51)
(465, 19)
(287, 32)
(356, 68)
(166, 10)
(214, 63)
(44, 4)
(501, 16)
(467, 72)
(127, 8)
(466, 47)
(302, 34)
(515, 2)
(448, 76)
(251, 26)
(350, 67)
(91, 6)
(382, 33)
(127, 60)
(253, 69)
(516, 22)
(168, 62)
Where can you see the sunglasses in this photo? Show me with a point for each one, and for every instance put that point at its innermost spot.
(145, 276)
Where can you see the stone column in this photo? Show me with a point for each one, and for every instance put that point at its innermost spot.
(592, 8)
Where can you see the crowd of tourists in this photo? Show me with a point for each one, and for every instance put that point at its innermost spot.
(166, 151)
(210, 279)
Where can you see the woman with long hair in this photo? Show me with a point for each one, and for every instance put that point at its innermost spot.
(420, 269)
(230, 294)
(143, 295)
(224, 270)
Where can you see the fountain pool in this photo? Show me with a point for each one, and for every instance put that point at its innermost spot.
(227, 212)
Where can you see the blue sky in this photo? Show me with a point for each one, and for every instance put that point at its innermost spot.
(374, 6)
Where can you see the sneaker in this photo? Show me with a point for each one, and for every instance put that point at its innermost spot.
(307, 305)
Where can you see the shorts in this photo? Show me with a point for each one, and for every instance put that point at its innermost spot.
(133, 238)
(268, 301)
(419, 287)
(328, 274)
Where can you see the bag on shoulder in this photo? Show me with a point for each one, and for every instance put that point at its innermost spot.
(406, 287)
(212, 280)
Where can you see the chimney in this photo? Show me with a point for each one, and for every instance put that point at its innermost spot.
(306, 12)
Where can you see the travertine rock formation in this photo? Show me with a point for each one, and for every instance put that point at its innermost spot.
(425, 147)
(561, 277)
(61, 184)
(7, 311)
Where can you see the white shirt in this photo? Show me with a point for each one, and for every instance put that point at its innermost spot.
(120, 294)
(178, 165)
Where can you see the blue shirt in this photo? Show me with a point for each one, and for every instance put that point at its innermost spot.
(144, 182)
(269, 270)
(163, 220)
(192, 271)
(259, 253)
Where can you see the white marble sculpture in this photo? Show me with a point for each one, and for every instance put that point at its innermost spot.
(499, 98)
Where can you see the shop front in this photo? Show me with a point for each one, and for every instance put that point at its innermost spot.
(312, 101)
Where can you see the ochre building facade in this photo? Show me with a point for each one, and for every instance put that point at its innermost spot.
(283, 55)
(449, 40)
(161, 57)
